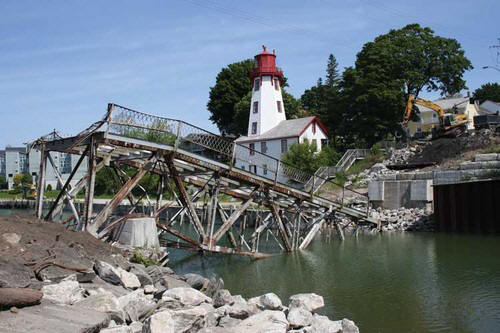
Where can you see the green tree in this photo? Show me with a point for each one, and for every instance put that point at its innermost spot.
(230, 98)
(3, 183)
(303, 156)
(489, 91)
(22, 180)
(232, 84)
(395, 64)
(332, 72)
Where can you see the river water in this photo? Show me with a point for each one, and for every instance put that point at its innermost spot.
(390, 283)
(387, 283)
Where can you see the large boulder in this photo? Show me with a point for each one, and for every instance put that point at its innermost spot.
(183, 297)
(321, 324)
(157, 272)
(270, 301)
(299, 317)
(228, 321)
(310, 302)
(189, 320)
(136, 305)
(171, 281)
(160, 322)
(348, 326)
(222, 297)
(266, 321)
(240, 309)
(104, 302)
(13, 274)
(140, 271)
(107, 272)
(196, 281)
(64, 292)
(127, 279)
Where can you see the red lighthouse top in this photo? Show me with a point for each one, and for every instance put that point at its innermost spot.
(266, 66)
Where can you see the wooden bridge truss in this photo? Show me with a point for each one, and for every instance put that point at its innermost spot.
(189, 159)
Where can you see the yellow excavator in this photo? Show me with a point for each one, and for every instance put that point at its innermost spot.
(450, 124)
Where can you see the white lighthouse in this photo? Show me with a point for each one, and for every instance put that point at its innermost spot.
(269, 132)
(266, 109)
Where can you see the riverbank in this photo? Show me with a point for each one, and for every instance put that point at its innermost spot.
(119, 296)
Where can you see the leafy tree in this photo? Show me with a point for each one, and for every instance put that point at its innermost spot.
(304, 156)
(232, 84)
(22, 180)
(489, 91)
(106, 182)
(332, 72)
(401, 62)
(3, 183)
(231, 96)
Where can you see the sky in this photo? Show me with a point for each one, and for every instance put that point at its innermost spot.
(61, 62)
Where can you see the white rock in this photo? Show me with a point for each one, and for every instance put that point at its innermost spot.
(150, 289)
(127, 279)
(116, 329)
(321, 324)
(222, 297)
(270, 301)
(107, 272)
(160, 322)
(136, 327)
(136, 304)
(183, 297)
(104, 302)
(348, 326)
(64, 292)
(299, 317)
(311, 302)
(11, 238)
(266, 321)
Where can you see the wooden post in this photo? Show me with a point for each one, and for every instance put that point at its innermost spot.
(284, 237)
(317, 224)
(64, 187)
(213, 213)
(41, 182)
(232, 219)
(119, 196)
(185, 198)
(89, 194)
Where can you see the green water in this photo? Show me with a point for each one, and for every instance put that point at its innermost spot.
(400, 282)
(390, 283)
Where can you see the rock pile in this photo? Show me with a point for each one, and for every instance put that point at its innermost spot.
(405, 219)
(154, 299)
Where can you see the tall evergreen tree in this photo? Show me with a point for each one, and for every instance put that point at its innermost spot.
(332, 72)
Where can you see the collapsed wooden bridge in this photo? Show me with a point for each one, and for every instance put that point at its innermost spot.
(186, 157)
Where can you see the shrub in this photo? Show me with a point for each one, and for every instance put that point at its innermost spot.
(138, 258)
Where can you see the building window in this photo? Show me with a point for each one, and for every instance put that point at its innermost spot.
(252, 148)
(254, 128)
(305, 140)
(284, 146)
(252, 168)
(280, 109)
(255, 107)
(314, 127)
(263, 147)
(65, 163)
(315, 144)
(256, 85)
(10, 175)
(276, 84)
(264, 169)
(324, 142)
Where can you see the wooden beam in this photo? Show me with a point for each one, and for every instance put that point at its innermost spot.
(232, 219)
(41, 181)
(316, 226)
(184, 197)
(281, 227)
(89, 194)
(64, 186)
(119, 196)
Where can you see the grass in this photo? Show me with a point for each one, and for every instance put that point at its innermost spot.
(493, 148)
(138, 258)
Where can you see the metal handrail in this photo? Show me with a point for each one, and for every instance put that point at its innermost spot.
(127, 122)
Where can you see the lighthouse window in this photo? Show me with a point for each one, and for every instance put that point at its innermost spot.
(255, 107)
(280, 109)
(256, 85)
(252, 149)
(254, 128)
(276, 84)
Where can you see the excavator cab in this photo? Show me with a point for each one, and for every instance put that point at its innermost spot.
(448, 119)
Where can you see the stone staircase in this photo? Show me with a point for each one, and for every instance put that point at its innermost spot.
(324, 173)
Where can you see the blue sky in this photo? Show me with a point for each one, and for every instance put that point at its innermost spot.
(61, 62)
